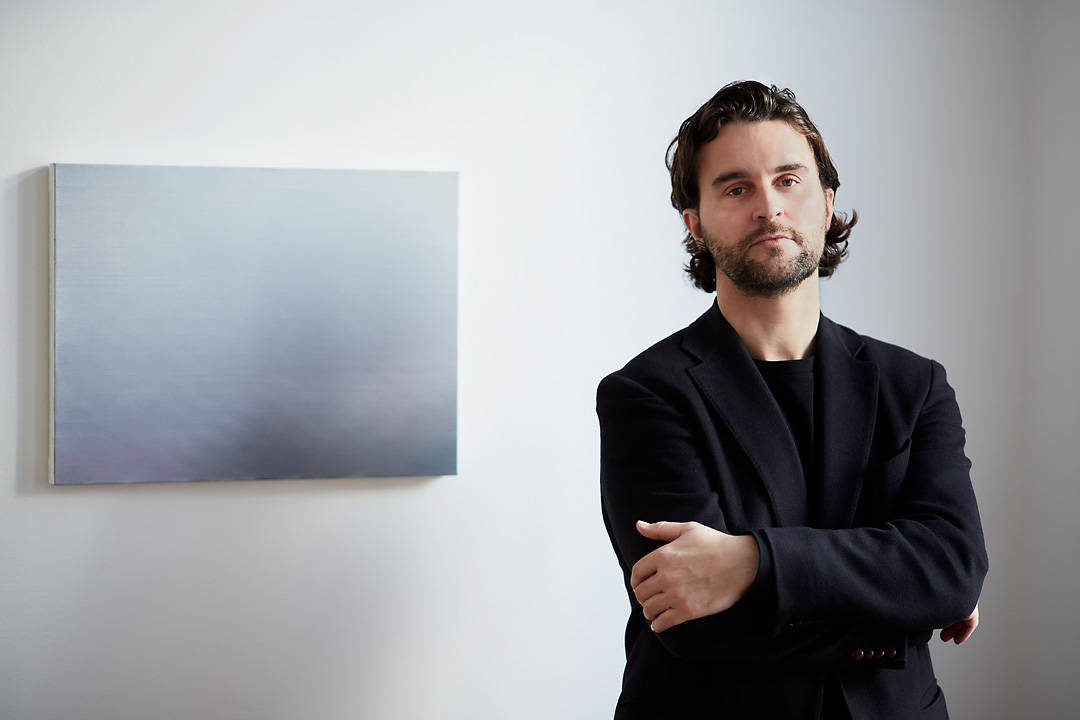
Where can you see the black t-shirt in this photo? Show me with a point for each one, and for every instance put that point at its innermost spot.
(792, 384)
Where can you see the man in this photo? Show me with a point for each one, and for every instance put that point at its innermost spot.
(812, 518)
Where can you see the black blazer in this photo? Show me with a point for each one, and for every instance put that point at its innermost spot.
(855, 573)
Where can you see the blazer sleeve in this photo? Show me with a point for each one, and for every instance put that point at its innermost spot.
(922, 564)
(652, 468)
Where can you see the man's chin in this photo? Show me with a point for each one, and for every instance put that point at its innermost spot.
(766, 291)
(755, 279)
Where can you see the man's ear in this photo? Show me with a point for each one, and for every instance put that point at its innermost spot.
(693, 225)
(829, 195)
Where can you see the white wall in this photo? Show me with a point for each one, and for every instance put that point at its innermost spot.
(1048, 486)
(494, 594)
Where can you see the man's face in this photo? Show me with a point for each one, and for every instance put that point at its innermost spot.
(762, 212)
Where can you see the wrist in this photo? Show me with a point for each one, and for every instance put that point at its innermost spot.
(751, 561)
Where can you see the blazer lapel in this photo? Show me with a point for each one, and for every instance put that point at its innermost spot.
(846, 402)
(732, 384)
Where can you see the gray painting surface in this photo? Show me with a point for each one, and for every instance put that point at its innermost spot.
(227, 323)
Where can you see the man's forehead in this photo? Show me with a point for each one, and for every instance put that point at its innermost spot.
(756, 146)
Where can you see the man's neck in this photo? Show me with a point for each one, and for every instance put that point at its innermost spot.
(781, 328)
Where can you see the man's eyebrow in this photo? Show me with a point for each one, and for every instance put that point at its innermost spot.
(740, 174)
(733, 175)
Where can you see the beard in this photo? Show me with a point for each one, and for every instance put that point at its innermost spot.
(763, 279)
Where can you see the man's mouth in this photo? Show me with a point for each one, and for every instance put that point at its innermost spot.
(775, 238)
(772, 239)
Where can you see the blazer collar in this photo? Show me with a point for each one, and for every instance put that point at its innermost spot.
(844, 427)
(846, 404)
(728, 378)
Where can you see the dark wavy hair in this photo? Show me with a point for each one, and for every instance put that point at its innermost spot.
(746, 102)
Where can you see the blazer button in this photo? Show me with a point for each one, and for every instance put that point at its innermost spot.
(890, 652)
(879, 653)
(789, 626)
(857, 654)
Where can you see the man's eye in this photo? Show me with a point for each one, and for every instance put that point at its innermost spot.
(789, 182)
(736, 191)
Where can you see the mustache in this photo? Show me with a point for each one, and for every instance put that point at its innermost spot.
(772, 228)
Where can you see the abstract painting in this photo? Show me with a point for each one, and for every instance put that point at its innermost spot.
(237, 323)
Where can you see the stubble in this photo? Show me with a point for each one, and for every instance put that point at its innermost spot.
(758, 278)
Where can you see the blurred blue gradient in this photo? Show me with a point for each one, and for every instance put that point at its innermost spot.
(231, 323)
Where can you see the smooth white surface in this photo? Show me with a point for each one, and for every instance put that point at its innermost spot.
(495, 594)
(251, 323)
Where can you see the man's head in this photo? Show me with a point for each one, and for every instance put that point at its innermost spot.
(750, 104)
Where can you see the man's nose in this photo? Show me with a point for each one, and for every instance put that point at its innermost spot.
(769, 205)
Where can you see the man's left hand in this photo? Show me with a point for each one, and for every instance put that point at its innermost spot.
(699, 572)
(961, 630)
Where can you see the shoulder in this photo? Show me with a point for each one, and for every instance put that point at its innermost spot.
(660, 358)
(900, 369)
(652, 371)
(871, 348)
(662, 368)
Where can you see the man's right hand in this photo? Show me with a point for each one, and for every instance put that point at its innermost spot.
(699, 572)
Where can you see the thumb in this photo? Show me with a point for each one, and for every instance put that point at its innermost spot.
(662, 531)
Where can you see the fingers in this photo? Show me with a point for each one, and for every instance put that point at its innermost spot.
(967, 627)
(662, 531)
(660, 614)
(655, 606)
(665, 620)
(964, 633)
(960, 631)
(643, 569)
(646, 588)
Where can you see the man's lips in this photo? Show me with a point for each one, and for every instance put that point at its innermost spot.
(771, 239)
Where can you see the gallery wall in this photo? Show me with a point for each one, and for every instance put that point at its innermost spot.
(494, 593)
(1047, 487)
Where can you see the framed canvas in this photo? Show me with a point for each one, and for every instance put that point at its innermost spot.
(238, 323)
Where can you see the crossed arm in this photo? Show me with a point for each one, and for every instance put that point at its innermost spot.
(860, 581)
(701, 572)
